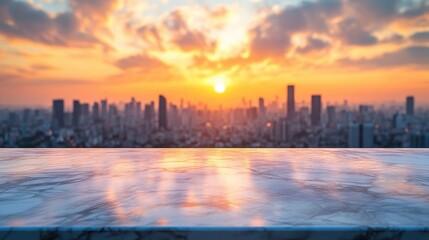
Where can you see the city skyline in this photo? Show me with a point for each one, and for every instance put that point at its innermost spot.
(238, 103)
(215, 52)
(161, 123)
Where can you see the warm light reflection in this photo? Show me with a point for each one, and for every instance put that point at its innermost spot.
(174, 185)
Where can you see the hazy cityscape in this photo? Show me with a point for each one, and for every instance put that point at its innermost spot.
(164, 124)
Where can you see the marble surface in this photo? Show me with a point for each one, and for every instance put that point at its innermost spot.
(214, 187)
(216, 233)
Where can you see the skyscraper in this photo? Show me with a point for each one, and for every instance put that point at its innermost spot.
(58, 113)
(316, 110)
(76, 112)
(410, 105)
(367, 135)
(262, 107)
(290, 101)
(84, 112)
(138, 110)
(331, 116)
(162, 113)
(353, 136)
(95, 111)
(104, 113)
(361, 135)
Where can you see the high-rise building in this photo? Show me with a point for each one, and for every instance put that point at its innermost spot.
(361, 135)
(96, 111)
(364, 113)
(26, 116)
(138, 110)
(316, 110)
(331, 116)
(76, 113)
(173, 116)
(290, 101)
(410, 105)
(84, 112)
(399, 122)
(262, 109)
(419, 140)
(353, 136)
(252, 113)
(104, 112)
(147, 113)
(58, 113)
(367, 135)
(162, 113)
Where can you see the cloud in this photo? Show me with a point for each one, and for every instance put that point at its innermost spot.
(142, 62)
(409, 56)
(178, 30)
(313, 44)
(394, 38)
(94, 11)
(22, 20)
(373, 11)
(271, 37)
(183, 36)
(42, 67)
(151, 35)
(9, 77)
(351, 32)
(420, 37)
(352, 22)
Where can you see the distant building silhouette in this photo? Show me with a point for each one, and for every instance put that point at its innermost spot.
(410, 105)
(104, 109)
(262, 109)
(76, 113)
(290, 101)
(316, 110)
(330, 110)
(251, 113)
(419, 140)
(58, 113)
(361, 135)
(364, 113)
(84, 111)
(147, 113)
(95, 111)
(162, 113)
(138, 110)
(399, 121)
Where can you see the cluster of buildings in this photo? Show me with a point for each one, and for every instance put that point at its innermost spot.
(164, 124)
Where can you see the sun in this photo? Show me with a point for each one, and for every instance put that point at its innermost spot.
(220, 87)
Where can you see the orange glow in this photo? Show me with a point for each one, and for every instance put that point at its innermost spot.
(216, 54)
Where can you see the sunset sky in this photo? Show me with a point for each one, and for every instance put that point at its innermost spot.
(366, 51)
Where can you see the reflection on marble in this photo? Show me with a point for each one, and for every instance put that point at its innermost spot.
(214, 187)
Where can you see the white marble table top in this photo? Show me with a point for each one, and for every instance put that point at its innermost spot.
(214, 187)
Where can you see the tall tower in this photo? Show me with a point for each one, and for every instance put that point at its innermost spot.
(409, 105)
(261, 107)
(290, 101)
(76, 113)
(58, 113)
(95, 111)
(361, 135)
(331, 116)
(162, 113)
(316, 110)
(104, 112)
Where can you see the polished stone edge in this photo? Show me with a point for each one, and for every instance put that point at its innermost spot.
(209, 233)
